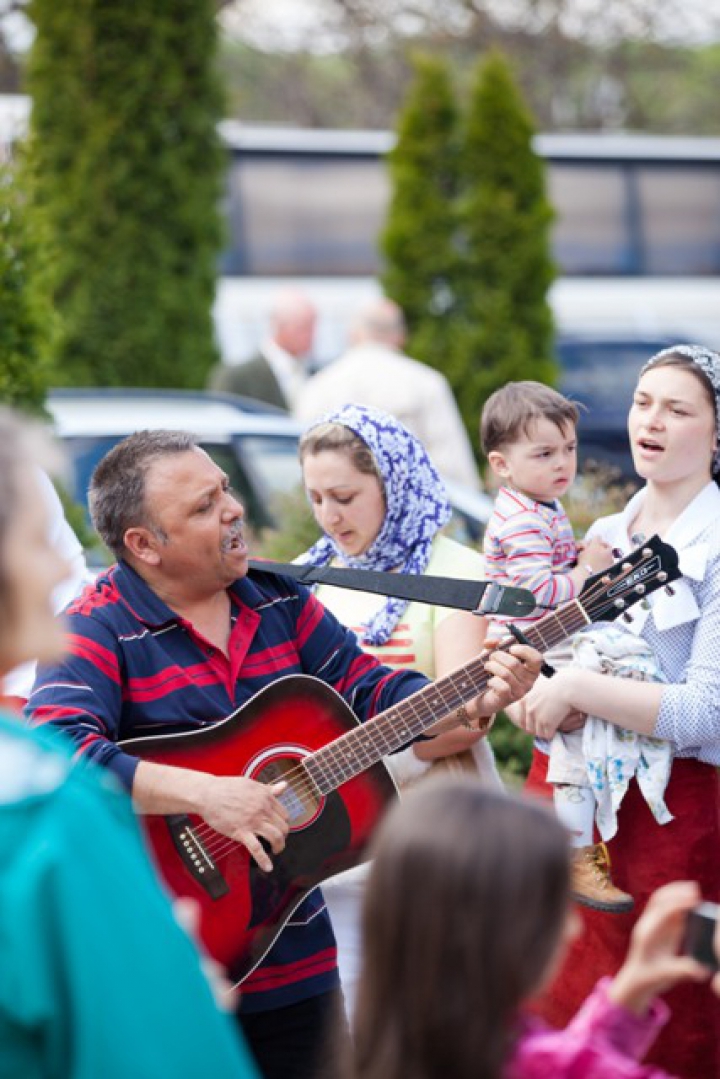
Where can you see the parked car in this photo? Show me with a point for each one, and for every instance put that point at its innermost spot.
(255, 444)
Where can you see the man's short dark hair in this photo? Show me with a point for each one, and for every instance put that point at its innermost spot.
(511, 412)
(117, 487)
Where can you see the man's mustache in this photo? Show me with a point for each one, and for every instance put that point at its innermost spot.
(234, 533)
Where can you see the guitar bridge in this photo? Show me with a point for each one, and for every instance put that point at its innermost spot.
(195, 857)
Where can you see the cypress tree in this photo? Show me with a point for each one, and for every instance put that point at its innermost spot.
(24, 371)
(418, 241)
(505, 326)
(124, 174)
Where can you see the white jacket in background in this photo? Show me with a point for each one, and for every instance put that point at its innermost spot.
(419, 396)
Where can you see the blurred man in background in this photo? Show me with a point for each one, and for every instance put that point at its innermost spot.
(374, 371)
(278, 370)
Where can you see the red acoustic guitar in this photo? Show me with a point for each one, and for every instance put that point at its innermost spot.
(300, 730)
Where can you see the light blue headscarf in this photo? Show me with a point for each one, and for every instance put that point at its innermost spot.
(417, 507)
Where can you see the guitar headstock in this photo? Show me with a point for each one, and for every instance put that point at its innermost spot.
(606, 595)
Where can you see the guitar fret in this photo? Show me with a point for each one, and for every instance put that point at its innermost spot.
(544, 639)
(329, 756)
(313, 767)
(363, 755)
(307, 766)
(357, 750)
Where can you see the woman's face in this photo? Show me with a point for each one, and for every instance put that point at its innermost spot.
(672, 427)
(32, 569)
(349, 505)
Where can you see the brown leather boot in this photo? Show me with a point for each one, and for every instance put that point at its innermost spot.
(592, 884)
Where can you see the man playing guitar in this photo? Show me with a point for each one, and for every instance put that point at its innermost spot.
(177, 635)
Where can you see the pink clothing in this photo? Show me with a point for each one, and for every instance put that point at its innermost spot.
(603, 1041)
(531, 545)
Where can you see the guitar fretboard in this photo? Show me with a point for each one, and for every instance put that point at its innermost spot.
(359, 749)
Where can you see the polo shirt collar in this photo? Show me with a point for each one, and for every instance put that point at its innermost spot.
(152, 611)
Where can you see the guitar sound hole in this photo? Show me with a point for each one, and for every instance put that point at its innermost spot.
(300, 799)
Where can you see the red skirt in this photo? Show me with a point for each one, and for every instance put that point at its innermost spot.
(645, 855)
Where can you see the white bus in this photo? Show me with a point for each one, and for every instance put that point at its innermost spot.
(636, 239)
(636, 236)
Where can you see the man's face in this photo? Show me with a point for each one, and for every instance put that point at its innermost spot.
(200, 522)
(295, 334)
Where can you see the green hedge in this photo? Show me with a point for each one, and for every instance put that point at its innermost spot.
(124, 174)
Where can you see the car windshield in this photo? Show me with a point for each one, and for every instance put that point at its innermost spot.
(272, 459)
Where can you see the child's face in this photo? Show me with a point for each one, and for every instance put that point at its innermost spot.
(541, 464)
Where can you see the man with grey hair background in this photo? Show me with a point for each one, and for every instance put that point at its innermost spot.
(276, 373)
(374, 371)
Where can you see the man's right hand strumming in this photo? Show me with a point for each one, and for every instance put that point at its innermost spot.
(239, 808)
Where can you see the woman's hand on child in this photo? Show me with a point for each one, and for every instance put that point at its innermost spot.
(653, 964)
(547, 708)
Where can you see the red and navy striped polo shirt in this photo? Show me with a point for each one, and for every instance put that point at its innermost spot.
(135, 668)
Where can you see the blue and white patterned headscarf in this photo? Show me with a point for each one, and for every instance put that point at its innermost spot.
(709, 363)
(417, 507)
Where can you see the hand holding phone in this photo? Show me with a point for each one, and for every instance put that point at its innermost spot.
(699, 936)
(655, 961)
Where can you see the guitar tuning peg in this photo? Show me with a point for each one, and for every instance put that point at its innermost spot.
(645, 604)
(616, 552)
(627, 617)
(669, 590)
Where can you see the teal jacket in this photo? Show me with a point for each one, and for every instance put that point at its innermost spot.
(96, 977)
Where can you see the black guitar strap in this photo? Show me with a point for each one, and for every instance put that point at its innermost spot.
(480, 597)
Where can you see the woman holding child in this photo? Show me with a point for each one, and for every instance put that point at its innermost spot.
(674, 427)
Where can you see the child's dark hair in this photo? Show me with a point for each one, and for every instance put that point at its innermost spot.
(464, 911)
(511, 411)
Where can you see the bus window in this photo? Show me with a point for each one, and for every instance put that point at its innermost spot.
(304, 215)
(680, 207)
(592, 233)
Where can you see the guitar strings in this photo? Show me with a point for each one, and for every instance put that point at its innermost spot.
(300, 783)
(308, 788)
(217, 843)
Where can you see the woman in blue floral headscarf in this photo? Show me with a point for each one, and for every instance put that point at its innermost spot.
(381, 505)
(411, 499)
